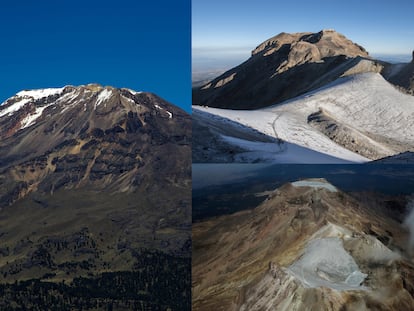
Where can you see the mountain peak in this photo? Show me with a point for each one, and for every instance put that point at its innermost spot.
(283, 67)
(93, 87)
(70, 119)
(328, 42)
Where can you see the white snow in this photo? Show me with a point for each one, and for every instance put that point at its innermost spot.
(27, 97)
(365, 102)
(133, 92)
(170, 115)
(315, 184)
(326, 263)
(104, 95)
(128, 99)
(288, 152)
(14, 107)
(69, 100)
(37, 94)
(31, 118)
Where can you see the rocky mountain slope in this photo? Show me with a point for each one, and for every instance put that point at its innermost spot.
(95, 182)
(401, 75)
(308, 246)
(284, 67)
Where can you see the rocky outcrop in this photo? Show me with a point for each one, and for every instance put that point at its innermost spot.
(366, 144)
(283, 67)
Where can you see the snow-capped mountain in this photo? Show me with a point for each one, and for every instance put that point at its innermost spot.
(35, 123)
(95, 180)
(308, 246)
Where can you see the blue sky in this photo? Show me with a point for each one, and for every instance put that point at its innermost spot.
(141, 45)
(226, 29)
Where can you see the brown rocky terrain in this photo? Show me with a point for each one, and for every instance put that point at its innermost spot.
(95, 180)
(284, 67)
(308, 246)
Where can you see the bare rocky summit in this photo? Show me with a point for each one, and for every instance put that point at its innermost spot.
(284, 67)
(309, 47)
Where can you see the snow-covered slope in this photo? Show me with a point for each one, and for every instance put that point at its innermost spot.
(359, 114)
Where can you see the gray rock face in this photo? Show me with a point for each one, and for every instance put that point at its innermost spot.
(91, 135)
(402, 76)
(283, 67)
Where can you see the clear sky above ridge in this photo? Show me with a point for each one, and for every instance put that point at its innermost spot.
(142, 45)
(231, 28)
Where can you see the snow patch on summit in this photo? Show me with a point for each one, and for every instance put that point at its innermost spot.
(37, 94)
(27, 97)
(30, 119)
(315, 184)
(326, 263)
(103, 96)
(133, 92)
(15, 107)
(170, 115)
